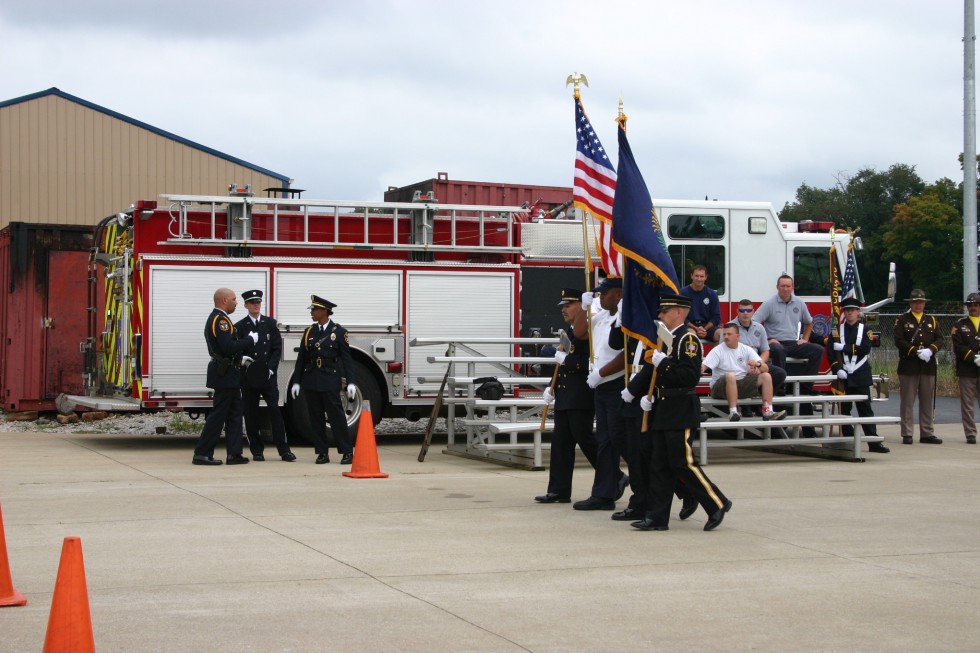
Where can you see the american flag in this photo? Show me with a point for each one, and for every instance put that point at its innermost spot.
(847, 288)
(595, 187)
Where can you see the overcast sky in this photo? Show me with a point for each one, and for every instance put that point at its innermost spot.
(731, 100)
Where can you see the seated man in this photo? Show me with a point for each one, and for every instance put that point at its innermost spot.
(705, 315)
(737, 372)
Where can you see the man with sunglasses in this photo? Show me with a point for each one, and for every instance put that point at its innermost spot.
(966, 349)
(753, 334)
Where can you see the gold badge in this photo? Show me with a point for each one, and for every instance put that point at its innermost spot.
(333, 336)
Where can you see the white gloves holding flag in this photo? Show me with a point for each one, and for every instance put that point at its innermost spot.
(560, 357)
(294, 390)
(587, 299)
(247, 360)
(548, 397)
(841, 374)
(657, 356)
(351, 391)
(627, 397)
(594, 379)
(646, 403)
(838, 346)
(619, 313)
(925, 354)
(255, 337)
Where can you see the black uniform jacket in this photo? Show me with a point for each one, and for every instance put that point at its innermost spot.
(676, 405)
(323, 359)
(226, 346)
(853, 351)
(268, 350)
(966, 345)
(910, 336)
(571, 390)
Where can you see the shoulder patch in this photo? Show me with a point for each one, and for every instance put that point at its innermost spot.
(223, 325)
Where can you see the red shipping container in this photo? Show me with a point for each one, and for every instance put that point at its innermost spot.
(482, 193)
(43, 312)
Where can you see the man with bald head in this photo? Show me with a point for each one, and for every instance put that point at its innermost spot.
(227, 349)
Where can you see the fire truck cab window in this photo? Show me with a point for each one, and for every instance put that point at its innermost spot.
(811, 271)
(685, 257)
(702, 227)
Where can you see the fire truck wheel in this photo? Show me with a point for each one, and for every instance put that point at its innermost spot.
(367, 388)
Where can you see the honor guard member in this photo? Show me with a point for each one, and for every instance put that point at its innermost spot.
(675, 416)
(918, 340)
(573, 400)
(966, 348)
(226, 347)
(324, 361)
(848, 350)
(260, 380)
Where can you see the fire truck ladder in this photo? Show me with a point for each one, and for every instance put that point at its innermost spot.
(232, 220)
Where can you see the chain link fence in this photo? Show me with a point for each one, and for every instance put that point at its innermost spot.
(884, 359)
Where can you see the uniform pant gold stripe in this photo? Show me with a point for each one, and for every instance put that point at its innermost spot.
(696, 470)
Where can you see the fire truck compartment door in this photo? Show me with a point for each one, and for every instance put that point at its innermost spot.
(367, 300)
(181, 297)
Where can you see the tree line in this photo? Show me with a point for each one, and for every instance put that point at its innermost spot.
(901, 218)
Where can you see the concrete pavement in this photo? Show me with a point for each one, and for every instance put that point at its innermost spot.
(453, 554)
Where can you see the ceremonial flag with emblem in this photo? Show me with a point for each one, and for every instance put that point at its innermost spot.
(848, 289)
(637, 235)
(595, 187)
(842, 286)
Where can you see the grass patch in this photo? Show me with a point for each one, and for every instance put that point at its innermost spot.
(947, 384)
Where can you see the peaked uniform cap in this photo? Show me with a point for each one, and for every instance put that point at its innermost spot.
(569, 295)
(670, 300)
(251, 296)
(319, 302)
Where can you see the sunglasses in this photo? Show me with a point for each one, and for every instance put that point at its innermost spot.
(745, 310)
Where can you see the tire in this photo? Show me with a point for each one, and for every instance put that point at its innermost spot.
(298, 417)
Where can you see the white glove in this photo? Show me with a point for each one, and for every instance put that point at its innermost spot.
(548, 397)
(351, 391)
(294, 390)
(587, 299)
(271, 373)
(619, 313)
(925, 354)
(560, 356)
(646, 403)
(627, 397)
(247, 360)
(838, 346)
(976, 360)
(254, 336)
(841, 374)
(594, 379)
(658, 356)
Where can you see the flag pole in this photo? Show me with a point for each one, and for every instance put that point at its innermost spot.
(575, 79)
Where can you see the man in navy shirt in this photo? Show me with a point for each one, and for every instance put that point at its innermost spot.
(705, 315)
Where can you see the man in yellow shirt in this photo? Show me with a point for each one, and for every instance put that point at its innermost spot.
(966, 350)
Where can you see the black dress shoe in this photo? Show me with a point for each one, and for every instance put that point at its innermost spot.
(971, 439)
(649, 525)
(289, 456)
(906, 439)
(629, 514)
(878, 447)
(931, 439)
(322, 459)
(236, 460)
(204, 460)
(688, 508)
(258, 456)
(716, 518)
(624, 482)
(347, 459)
(552, 498)
(595, 503)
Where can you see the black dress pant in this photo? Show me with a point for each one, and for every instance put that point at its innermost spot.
(640, 463)
(863, 410)
(317, 403)
(571, 427)
(610, 437)
(226, 414)
(250, 398)
(672, 461)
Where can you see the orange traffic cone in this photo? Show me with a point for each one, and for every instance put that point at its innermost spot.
(366, 452)
(70, 625)
(8, 595)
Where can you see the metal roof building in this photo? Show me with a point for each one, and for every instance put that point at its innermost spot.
(64, 160)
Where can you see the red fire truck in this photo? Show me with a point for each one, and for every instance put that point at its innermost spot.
(398, 272)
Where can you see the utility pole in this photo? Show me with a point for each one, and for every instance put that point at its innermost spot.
(969, 152)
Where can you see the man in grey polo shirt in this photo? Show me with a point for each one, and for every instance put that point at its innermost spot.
(789, 325)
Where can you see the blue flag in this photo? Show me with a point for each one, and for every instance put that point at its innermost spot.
(637, 234)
